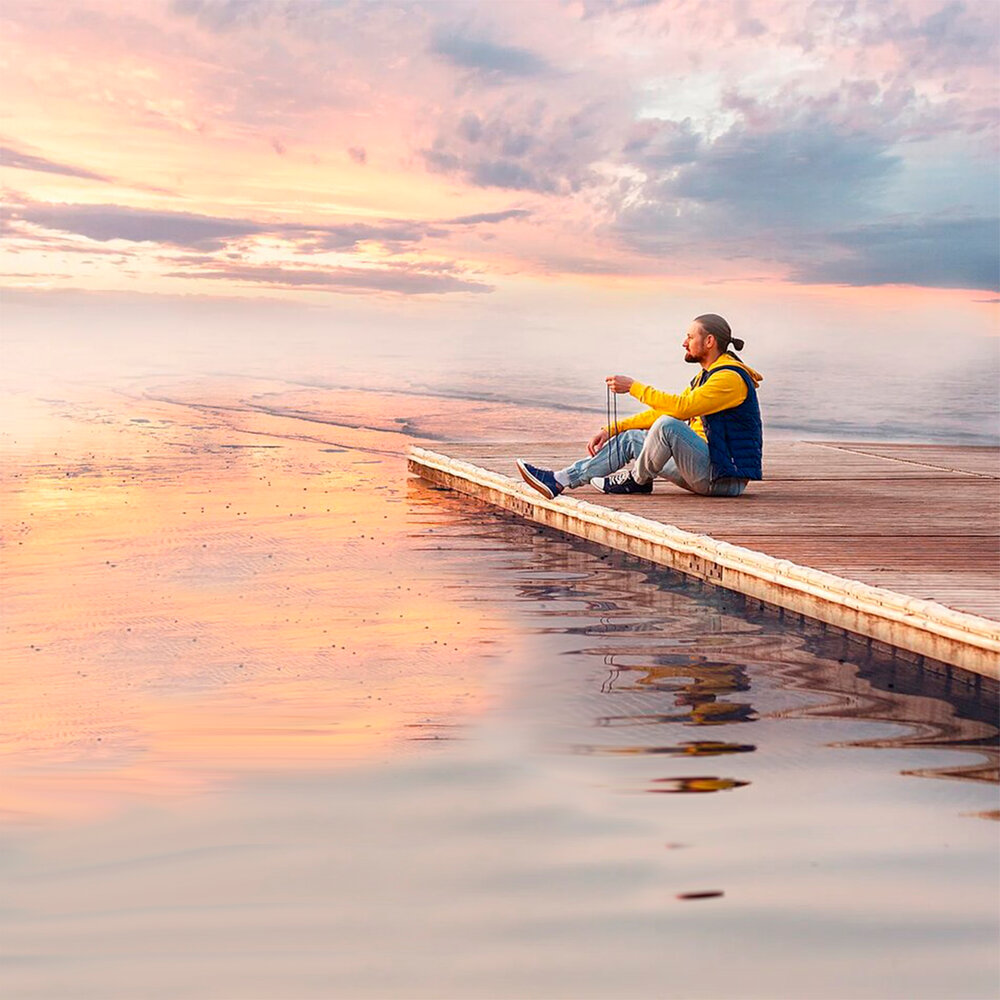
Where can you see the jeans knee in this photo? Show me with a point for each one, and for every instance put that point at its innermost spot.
(633, 440)
(666, 427)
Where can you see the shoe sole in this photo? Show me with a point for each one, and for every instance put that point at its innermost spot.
(534, 483)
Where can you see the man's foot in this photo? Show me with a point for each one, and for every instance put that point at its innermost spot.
(621, 482)
(540, 479)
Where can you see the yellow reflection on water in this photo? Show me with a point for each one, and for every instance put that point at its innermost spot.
(191, 593)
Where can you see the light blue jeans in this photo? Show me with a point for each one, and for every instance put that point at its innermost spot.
(669, 449)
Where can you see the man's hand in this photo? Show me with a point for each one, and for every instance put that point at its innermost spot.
(619, 383)
(597, 442)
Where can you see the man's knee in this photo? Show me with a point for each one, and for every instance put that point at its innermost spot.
(666, 427)
(633, 441)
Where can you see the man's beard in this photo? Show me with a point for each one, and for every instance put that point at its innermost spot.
(692, 360)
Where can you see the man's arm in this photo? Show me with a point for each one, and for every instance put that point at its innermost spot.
(721, 392)
(639, 421)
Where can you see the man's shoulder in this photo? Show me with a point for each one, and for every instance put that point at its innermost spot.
(733, 372)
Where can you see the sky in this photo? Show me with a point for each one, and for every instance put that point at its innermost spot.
(810, 168)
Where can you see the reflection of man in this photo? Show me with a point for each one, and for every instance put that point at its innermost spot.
(707, 440)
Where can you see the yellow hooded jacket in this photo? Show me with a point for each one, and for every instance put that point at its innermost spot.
(720, 392)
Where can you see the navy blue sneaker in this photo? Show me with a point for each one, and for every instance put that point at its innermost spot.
(540, 479)
(621, 482)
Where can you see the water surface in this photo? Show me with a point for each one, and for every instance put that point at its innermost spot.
(278, 720)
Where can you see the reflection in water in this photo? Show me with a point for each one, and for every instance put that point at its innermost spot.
(696, 684)
(945, 709)
(675, 651)
(696, 785)
(703, 713)
(702, 748)
(700, 679)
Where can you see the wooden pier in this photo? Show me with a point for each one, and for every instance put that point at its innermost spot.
(897, 543)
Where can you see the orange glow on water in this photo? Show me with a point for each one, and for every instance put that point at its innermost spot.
(187, 598)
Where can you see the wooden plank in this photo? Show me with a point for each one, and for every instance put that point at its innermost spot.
(922, 551)
(942, 553)
(976, 460)
(783, 460)
(872, 507)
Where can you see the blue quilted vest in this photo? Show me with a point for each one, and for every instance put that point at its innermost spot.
(735, 436)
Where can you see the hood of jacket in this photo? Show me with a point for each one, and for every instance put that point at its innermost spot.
(727, 360)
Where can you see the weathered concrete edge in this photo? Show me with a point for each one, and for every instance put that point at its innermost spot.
(926, 628)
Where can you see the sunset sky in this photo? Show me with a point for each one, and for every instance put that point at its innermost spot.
(490, 154)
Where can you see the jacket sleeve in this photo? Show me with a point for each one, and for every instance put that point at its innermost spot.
(637, 422)
(721, 392)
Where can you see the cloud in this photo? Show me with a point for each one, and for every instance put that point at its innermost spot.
(806, 195)
(746, 189)
(526, 145)
(224, 15)
(472, 220)
(602, 8)
(212, 240)
(510, 174)
(751, 27)
(955, 34)
(656, 144)
(391, 233)
(500, 172)
(406, 280)
(358, 154)
(490, 62)
(809, 171)
(137, 225)
(293, 67)
(104, 223)
(15, 159)
(936, 253)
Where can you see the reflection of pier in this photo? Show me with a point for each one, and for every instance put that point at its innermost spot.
(939, 711)
(898, 544)
(674, 656)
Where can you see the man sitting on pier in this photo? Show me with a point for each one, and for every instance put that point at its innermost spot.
(707, 440)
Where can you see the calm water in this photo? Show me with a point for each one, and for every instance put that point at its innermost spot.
(279, 721)
(845, 377)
